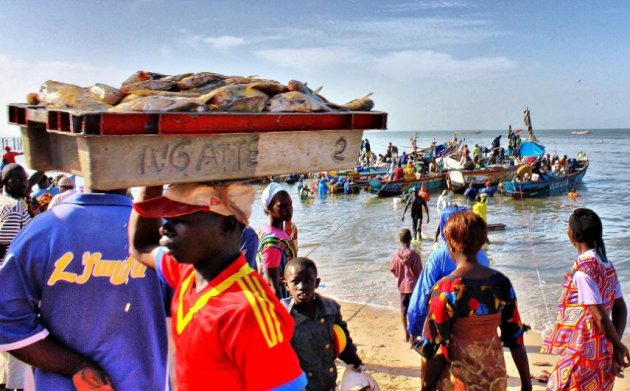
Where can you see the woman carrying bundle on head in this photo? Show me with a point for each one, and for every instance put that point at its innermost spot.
(585, 337)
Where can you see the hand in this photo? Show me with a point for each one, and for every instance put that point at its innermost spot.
(621, 359)
(427, 220)
(403, 218)
(90, 378)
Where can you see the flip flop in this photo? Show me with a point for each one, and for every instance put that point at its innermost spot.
(542, 376)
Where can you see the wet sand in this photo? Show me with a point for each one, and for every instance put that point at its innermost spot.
(378, 334)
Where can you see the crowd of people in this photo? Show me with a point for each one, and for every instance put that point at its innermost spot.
(90, 278)
(83, 279)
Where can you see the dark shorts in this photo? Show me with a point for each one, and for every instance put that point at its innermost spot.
(404, 302)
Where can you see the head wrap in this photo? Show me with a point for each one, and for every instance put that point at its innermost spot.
(186, 198)
(270, 191)
(65, 182)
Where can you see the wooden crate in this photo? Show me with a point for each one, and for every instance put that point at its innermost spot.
(110, 162)
(117, 150)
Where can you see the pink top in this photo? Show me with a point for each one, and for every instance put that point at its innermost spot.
(406, 266)
(271, 256)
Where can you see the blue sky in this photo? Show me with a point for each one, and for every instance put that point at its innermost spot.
(432, 65)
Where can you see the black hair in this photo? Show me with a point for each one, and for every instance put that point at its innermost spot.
(405, 236)
(9, 168)
(303, 262)
(586, 227)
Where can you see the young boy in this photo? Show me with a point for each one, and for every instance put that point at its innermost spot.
(406, 266)
(317, 338)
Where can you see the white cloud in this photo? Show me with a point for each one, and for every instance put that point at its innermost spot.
(419, 64)
(404, 7)
(199, 41)
(402, 65)
(416, 33)
(310, 59)
(224, 41)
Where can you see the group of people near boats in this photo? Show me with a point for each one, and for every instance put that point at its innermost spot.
(89, 281)
(452, 306)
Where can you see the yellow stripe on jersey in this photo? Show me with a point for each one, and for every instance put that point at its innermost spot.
(274, 317)
(183, 320)
(259, 313)
(264, 311)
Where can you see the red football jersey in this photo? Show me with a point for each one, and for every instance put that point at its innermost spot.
(233, 334)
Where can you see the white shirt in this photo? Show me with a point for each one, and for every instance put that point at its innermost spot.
(588, 291)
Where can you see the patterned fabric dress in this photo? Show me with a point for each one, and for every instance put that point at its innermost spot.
(287, 250)
(462, 326)
(585, 361)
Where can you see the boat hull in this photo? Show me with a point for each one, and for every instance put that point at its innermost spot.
(478, 178)
(543, 188)
(385, 188)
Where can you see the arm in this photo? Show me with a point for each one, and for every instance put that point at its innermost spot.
(436, 335)
(418, 304)
(426, 209)
(392, 266)
(619, 315)
(50, 355)
(144, 235)
(432, 371)
(405, 210)
(519, 355)
(621, 356)
(34, 179)
(272, 278)
(349, 354)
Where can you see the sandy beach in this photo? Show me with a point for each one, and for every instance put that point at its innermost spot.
(378, 334)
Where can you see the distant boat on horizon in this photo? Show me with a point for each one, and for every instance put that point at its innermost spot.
(582, 132)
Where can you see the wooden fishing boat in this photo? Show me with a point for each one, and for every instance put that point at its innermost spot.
(355, 188)
(545, 187)
(364, 174)
(439, 151)
(386, 188)
(460, 179)
(496, 227)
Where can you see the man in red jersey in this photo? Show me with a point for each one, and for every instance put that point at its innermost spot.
(229, 329)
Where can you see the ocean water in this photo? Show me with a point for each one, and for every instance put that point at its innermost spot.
(352, 237)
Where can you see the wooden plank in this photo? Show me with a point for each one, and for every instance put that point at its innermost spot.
(44, 151)
(108, 162)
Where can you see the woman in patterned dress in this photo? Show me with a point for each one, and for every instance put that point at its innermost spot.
(277, 239)
(460, 345)
(585, 337)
